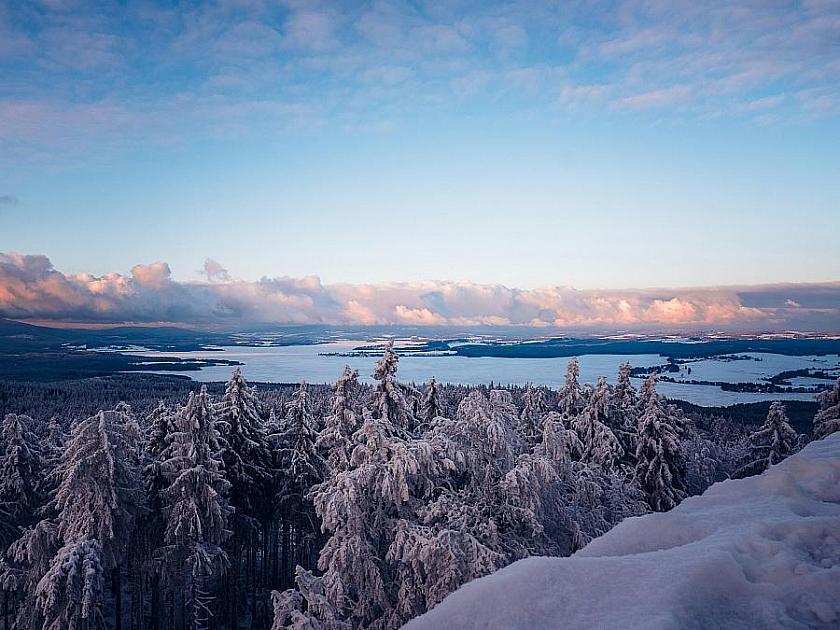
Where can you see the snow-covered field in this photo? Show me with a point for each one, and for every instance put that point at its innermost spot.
(762, 552)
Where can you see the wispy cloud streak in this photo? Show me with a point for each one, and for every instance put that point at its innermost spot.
(218, 67)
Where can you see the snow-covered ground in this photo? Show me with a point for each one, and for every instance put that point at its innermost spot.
(762, 552)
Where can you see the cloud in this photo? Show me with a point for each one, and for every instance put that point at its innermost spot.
(31, 288)
(656, 98)
(215, 272)
(147, 71)
(9, 200)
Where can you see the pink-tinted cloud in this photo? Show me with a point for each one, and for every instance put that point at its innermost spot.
(31, 288)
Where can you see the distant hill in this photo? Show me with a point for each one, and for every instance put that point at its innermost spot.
(40, 353)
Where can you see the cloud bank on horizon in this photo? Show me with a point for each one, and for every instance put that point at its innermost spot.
(32, 289)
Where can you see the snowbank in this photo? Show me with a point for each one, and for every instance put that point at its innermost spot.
(762, 552)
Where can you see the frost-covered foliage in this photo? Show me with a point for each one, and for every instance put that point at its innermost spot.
(342, 423)
(772, 443)
(827, 420)
(356, 505)
(244, 448)
(97, 501)
(753, 553)
(600, 445)
(361, 508)
(21, 467)
(570, 399)
(534, 408)
(660, 468)
(297, 451)
(390, 400)
(195, 506)
(559, 443)
(431, 405)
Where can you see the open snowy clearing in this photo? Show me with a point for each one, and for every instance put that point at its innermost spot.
(762, 552)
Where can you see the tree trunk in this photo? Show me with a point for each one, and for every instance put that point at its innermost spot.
(233, 605)
(116, 576)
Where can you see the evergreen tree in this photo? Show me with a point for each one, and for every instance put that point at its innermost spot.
(244, 451)
(772, 443)
(301, 467)
(559, 443)
(571, 401)
(660, 468)
(600, 446)
(21, 467)
(390, 402)
(362, 507)
(533, 410)
(623, 417)
(160, 426)
(98, 500)
(827, 420)
(342, 423)
(196, 508)
(624, 399)
(248, 469)
(431, 405)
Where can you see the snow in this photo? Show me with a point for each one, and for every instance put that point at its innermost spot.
(761, 552)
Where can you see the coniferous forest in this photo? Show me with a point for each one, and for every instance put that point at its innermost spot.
(353, 506)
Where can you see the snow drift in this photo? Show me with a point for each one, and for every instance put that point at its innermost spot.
(762, 552)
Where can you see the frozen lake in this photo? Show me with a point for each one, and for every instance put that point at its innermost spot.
(286, 364)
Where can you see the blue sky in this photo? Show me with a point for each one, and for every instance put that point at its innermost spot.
(588, 144)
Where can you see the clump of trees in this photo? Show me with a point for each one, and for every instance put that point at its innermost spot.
(355, 506)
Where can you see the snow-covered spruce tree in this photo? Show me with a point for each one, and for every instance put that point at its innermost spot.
(660, 467)
(249, 470)
(489, 500)
(336, 438)
(98, 500)
(196, 509)
(559, 443)
(570, 399)
(431, 406)
(483, 438)
(533, 410)
(624, 400)
(771, 444)
(52, 450)
(245, 453)
(649, 396)
(600, 446)
(703, 464)
(390, 401)
(160, 426)
(300, 468)
(827, 420)
(623, 415)
(590, 503)
(432, 561)
(21, 467)
(27, 560)
(364, 571)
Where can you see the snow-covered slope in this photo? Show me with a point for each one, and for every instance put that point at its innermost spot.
(762, 552)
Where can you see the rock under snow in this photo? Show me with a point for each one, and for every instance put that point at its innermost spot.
(762, 552)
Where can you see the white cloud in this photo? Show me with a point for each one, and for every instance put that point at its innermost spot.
(31, 288)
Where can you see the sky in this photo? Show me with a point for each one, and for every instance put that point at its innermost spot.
(582, 146)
